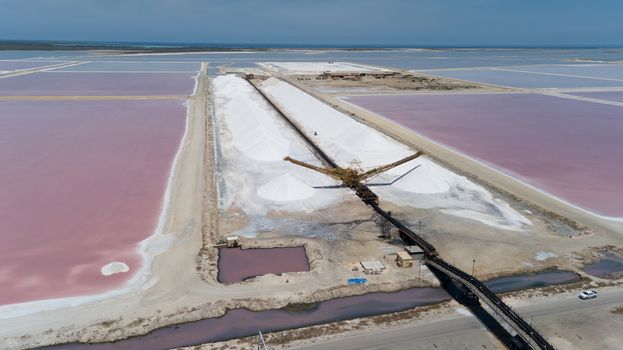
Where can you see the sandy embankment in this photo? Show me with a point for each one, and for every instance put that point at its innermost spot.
(470, 167)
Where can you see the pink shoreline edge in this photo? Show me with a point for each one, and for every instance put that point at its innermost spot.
(142, 262)
(541, 188)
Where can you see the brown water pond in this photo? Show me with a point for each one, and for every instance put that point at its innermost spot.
(237, 265)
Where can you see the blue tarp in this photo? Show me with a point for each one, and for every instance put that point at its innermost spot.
(357, 280)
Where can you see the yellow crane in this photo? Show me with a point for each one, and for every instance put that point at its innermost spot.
(353, 177)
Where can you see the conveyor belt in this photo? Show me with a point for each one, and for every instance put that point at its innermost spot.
(531, 338)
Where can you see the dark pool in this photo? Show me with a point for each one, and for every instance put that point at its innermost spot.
(236, 265)
(526, 281)
(241, 322)
(610, 265)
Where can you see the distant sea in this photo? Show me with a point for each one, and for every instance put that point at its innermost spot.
(229, 54)
(177, 47)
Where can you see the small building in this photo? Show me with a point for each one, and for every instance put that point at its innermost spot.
(232, 242)
(414, 249)
(372, 267)
(404, 259)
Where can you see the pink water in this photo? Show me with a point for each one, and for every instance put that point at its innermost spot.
(572, 149)
(236, 265)
(112, 84)
(81, 183)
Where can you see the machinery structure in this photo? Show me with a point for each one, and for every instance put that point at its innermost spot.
(354, 177)
(526, 336)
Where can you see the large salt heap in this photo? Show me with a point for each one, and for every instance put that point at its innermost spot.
(285, 188)
(346, 139)
(254, 130)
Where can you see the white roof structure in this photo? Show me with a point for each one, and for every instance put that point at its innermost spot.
(373, 265)
(413, 249)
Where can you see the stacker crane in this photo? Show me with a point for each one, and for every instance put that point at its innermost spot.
(354, 177)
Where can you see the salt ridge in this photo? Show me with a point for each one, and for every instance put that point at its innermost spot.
(254, 130)
(347, 140)
(319, 67)
(285, 188)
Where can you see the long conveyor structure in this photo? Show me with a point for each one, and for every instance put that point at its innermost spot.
(454, 280)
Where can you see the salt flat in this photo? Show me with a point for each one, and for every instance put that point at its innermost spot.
(520, 77)
(11, 65)
(134, 66)
(615, 96)
(609, 71)
(568, 148)
(318, 67)
(72, 200)
(348, 141)
(253, 142)
(114, 84)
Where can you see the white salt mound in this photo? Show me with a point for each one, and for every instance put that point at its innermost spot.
(319, 67)
(253, 125)
(285, 188)
(427, 178)
(542, 255)
(113, 268)
(346, 139)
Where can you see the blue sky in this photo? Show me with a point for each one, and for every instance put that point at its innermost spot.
(330, 22)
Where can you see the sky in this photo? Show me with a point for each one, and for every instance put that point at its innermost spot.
(319, 22)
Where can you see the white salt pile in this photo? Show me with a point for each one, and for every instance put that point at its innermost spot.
(285, 188)
(318, 67)
(507, 218)
(113, 268)
(345, 139)
(542, 255)
(253, 126)
(428, 177)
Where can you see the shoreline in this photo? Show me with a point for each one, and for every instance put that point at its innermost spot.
(420, 315)
(147, 248)
(82, 318)
(341, 293)
(515, 295)
(144, 248)
(492, 167)
(465, 164)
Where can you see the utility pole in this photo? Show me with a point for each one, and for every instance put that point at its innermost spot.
(419, 273)
(261, 345)
(473, 265)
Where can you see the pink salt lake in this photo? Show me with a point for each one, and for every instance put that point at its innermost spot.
(81, 184)
(84, 83)
(571, 149)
